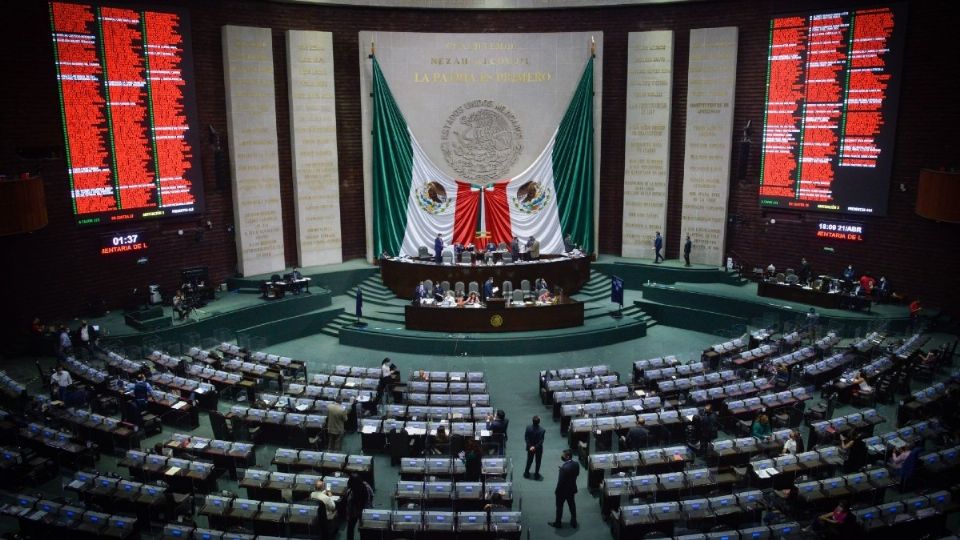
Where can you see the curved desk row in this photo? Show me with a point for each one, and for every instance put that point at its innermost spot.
(402, 275)
(495, 317)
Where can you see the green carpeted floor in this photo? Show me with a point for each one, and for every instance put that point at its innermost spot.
(512, 382)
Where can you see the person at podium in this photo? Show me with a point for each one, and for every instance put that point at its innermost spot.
(449, 299)
(540, 284)
(473, 300)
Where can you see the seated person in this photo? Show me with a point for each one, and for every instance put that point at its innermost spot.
(473, 299)
(836, 518)
(419, 293)
(449, 300)
(294, 280)
(761, 427)
(461, 300)
(545, 297)
(180, 305)
(540, 284)
(898, 456)
(862, 385)
(866, 285)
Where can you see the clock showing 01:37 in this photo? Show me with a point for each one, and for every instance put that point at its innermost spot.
(123, 242)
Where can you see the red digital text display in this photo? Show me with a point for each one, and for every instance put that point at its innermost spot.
(832, 89)
(128, 112)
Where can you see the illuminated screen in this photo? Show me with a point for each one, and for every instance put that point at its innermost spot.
(128, 109)
(833, 80)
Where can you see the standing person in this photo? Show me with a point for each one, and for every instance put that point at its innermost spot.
(908, 467)
(64, 344)
(488, 288)
(708, 427)
(356, 497)
(657, 246)
(61, 381)
(385, 388)
(568, 244)
(533, 437)
(805, 273)
(336, 418)
(566, 490)
(812, 319)
(515, 248)
(88, 337)
(471, 456)
(141, 392)
(438, 249)
(533, 247)
(687, 246)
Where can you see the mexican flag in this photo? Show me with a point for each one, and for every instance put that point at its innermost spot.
(414, 200)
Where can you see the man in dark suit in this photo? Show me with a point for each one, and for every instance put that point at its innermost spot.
(488, 289)
(515, 248)
(540, 284)
(687, 246)
(805, 273)
(566, 489)
(497, 425)
(419, 293)
(533, 437)
(638, 435)
(438, 249)
(657, 246)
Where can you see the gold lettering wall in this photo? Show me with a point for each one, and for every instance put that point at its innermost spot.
(646, 167)
(711, 82)
(252, 136)
(532, 75)
(313, 140)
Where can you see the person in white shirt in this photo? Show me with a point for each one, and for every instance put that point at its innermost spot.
(790, 445)
(326, 500)
(862, 383)
(60, 381)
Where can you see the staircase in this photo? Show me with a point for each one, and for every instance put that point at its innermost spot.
(595, 296)
(381, 308)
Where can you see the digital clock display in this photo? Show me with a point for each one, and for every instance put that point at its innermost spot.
(840, 230)
(123, 242)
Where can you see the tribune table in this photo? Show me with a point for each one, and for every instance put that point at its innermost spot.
(813, 297)
(567, 272)
(496, 316)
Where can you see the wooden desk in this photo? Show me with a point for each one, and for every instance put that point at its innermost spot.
(813, 297)
(568, 273)
(495, 317)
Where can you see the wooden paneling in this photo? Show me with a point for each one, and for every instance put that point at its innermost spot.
(901, 245)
